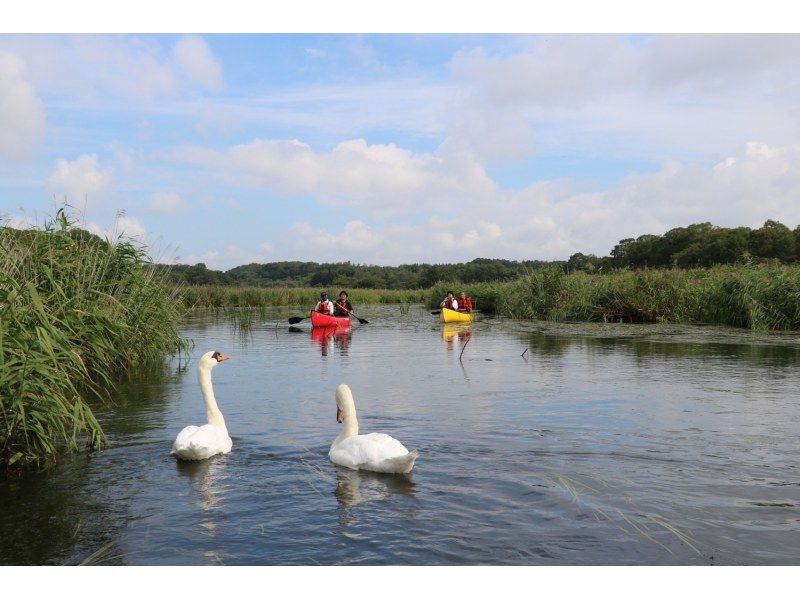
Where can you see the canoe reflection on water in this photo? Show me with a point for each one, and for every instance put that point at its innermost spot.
(327, 337)
(451, 332)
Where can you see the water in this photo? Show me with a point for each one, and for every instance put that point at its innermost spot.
(545, 444)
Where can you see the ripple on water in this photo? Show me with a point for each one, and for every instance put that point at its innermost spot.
(545, 444)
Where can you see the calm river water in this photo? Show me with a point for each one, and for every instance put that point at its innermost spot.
(547, 444)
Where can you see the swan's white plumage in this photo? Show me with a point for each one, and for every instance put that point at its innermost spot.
(195, 443)
(371, 452)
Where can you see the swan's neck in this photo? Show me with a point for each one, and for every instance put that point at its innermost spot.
(350, 423)
(212, 411)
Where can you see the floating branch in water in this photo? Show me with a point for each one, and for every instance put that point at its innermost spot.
(464, 347)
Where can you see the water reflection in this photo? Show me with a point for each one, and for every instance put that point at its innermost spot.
(355, 487)
(206, 478)
(327, 338)
(456, 335)
(547, 344)
(606, 444)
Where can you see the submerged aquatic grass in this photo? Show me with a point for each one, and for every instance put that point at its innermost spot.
(76, 312)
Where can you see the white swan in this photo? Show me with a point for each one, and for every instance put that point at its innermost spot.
(196, 443)
(373, 452)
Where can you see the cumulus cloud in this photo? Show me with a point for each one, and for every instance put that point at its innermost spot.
(124, 227)
(375, 177)
(167, 202)
(82, 178)
(93, 67)
(684, 95)
(550, 220)
(22, 116)
(555, 71)
(196, 61)
(225, 257)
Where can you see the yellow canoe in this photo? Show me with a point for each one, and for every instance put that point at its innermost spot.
(450, 315)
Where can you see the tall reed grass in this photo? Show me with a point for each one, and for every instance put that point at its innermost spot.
(223, 297)
(758, 297)
(76, 312)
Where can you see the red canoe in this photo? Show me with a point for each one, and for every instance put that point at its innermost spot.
(319, 320)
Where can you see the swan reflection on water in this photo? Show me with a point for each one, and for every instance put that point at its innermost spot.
(355, 487)
(206, 478)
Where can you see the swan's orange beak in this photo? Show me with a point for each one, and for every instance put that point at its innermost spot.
(221, 358)
(339, 415)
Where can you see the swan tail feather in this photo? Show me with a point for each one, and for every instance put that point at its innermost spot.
(401, 464)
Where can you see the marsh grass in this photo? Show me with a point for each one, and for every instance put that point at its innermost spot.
(228, 297)
(76, 313)
(758, 296)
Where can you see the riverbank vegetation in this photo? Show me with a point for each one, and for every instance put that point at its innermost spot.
(228, 297)
(756, 296)
(345, 275)
(697, 245)
(76, 312)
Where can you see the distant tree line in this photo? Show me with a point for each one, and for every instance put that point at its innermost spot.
(347, 275)
(697, 245)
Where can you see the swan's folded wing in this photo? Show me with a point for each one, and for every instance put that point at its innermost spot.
(368, 451)
(203, 442)
(182, 441)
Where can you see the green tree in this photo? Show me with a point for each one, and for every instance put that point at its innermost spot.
(773, 240)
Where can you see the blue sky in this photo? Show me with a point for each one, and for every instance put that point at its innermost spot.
(389, 149)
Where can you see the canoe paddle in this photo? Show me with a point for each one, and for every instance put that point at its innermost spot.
(361, 320)
(296, 319)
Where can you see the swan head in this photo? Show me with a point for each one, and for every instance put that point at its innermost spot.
(211, 359)
(344, 401)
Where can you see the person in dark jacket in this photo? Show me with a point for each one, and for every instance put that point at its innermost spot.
(343, 307)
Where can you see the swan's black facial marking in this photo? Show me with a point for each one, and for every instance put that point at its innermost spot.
(215, 355)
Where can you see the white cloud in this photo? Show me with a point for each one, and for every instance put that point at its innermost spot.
(91, 68)
(196, 61)
(22, 116)
(549, 220)
(681, 95)
(167, 202)
(224, 258)
(124, 227)
(374, 177)
(79, 179)
(558, 70)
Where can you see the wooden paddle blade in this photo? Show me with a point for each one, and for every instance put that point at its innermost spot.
(295, 320)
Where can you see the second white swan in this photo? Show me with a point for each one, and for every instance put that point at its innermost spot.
(372, 452)
(195, 443)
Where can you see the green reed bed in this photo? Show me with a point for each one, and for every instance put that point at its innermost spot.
(76, 312)
(759, 297)
(224, 297)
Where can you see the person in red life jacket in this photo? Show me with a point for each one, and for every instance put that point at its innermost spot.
(324, 306)
(342, 307)
(464, 303)
(449, 302)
